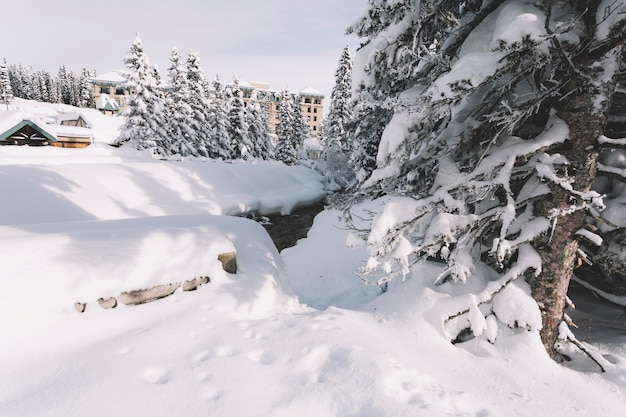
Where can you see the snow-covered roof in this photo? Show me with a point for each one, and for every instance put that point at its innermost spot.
(74, 132)
(310, 91)
(13, 120)
(75, 115)
(105, 102)
(116, 76)
(245, 84)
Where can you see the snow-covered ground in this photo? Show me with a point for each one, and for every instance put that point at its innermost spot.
(290, 334)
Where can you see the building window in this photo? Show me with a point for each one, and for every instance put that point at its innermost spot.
(315, 118)
(317, 101)
(314, 110)
(105, 90)
(119, 92)
(277, 107)
(308, 110)
(314, 128)
(307, 100)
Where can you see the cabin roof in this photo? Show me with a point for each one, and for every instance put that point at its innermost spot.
(14, 120)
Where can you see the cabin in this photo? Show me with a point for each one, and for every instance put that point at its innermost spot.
(73, 130)
(23, 128)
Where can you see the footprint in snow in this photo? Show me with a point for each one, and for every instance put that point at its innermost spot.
(156, 375)
(262, 357)
(227, 351)
(202, 356)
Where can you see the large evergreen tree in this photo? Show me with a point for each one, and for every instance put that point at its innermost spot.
(242, 147)
(286, 145)
(179, 125)
(334, 162)
(202, 140)
(6, 92)
(145, 111)
(218, 120)
(340, 113)
(492, 147)
(85, 96)
(257, 117)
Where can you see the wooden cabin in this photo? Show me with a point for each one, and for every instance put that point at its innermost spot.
(24, 128)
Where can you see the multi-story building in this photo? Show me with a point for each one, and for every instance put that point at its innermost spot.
(311, 103)
(110, 98)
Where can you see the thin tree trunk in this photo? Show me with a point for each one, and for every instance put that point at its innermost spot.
(585, 112)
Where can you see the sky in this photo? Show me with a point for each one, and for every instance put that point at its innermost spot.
(289, 43)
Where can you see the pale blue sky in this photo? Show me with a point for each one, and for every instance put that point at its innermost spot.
(283, 42)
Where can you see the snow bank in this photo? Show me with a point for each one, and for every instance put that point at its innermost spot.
(104, 183)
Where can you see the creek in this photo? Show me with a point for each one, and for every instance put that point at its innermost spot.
(599, 320)
(286, 230)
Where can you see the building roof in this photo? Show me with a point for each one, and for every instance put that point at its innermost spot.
(105, 102)
(110, 78)
(310, 91)
(74, 115)
(14, 120)
(75, 132)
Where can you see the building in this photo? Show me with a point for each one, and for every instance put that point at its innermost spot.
(19, 127)
(109, 97)
(311, 103)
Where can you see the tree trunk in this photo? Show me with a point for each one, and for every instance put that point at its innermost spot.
(585, 112)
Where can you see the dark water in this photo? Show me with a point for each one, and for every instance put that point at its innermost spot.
(598, 320)
(286, 230)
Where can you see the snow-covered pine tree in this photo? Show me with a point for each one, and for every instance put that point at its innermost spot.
(218, 120)
(340, 113)
(202, 140)
(65, 85)
(242, 147)
(86, 90)
(286, 150)
(6, 92)
(334, 161)
(384, 70)
(257, 116)
(492, 147)
(159, 119)
(145, 111)
(179, 120)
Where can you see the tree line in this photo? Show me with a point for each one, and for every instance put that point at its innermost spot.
(65, 86)
(191, 116)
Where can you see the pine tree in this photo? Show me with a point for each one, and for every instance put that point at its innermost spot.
(65, 85)
(242, 148)
(218, 120)
(6, 92)
(286, 150)
(180, 122)
(340, 113)
(203, 140)
(334, 162)
(86, 90)
(257, 116)
(145, 112)
(492, 147)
